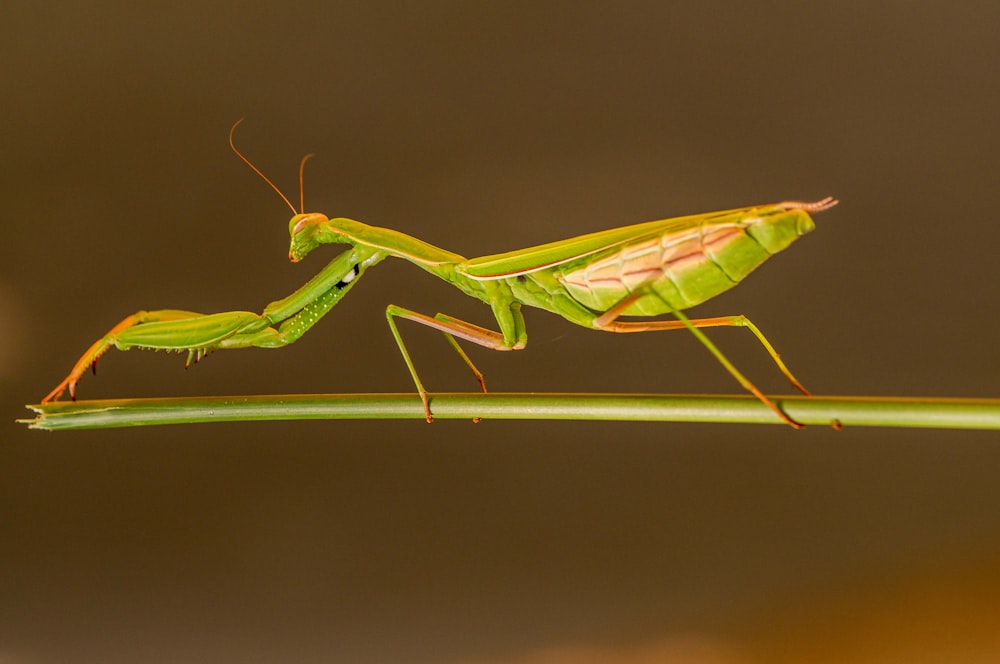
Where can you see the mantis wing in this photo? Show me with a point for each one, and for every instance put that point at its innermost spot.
(543, 256)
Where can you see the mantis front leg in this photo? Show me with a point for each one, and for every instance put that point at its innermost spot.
(169, 329)
(281, 323)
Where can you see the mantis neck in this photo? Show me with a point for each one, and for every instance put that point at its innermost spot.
(391, 242)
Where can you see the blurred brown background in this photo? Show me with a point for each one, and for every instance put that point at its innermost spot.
(484, 128)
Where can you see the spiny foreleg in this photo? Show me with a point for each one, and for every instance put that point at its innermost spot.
(281, 323)
(165, 329)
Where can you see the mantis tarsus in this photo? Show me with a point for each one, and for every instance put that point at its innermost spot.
(649, 269)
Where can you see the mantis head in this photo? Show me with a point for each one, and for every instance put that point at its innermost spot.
(305, 230)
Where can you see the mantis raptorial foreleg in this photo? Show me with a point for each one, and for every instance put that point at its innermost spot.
(281, 323)
(181, 331)
(119, 337)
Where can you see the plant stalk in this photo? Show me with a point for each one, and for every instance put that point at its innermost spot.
(845, 411)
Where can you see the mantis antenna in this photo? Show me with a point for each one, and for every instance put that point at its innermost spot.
(302, 187)
(302, 166)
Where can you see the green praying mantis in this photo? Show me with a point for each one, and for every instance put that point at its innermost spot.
(648, 269)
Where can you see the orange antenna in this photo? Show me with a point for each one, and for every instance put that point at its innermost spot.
(257, 170)
(302, 188)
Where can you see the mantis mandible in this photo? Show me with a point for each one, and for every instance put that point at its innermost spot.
(648, 269)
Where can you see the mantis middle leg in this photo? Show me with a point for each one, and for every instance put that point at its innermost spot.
(513, 336)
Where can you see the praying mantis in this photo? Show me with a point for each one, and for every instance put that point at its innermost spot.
(643, 270)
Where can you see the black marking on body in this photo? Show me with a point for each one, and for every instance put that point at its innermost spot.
(348, 278)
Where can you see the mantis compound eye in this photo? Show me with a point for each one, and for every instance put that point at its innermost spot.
(301, 222)
(297, 223)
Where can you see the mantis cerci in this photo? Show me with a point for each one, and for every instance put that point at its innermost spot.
(648, 269)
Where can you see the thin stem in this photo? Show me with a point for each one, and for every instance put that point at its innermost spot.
(943, 413)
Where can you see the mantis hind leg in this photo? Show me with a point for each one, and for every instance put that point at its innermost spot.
(609, 323)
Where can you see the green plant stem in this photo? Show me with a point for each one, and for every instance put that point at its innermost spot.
(944, 413)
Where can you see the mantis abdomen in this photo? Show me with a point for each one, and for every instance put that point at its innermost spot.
(666, 271)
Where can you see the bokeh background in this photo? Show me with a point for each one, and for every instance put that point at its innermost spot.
(486, 127)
